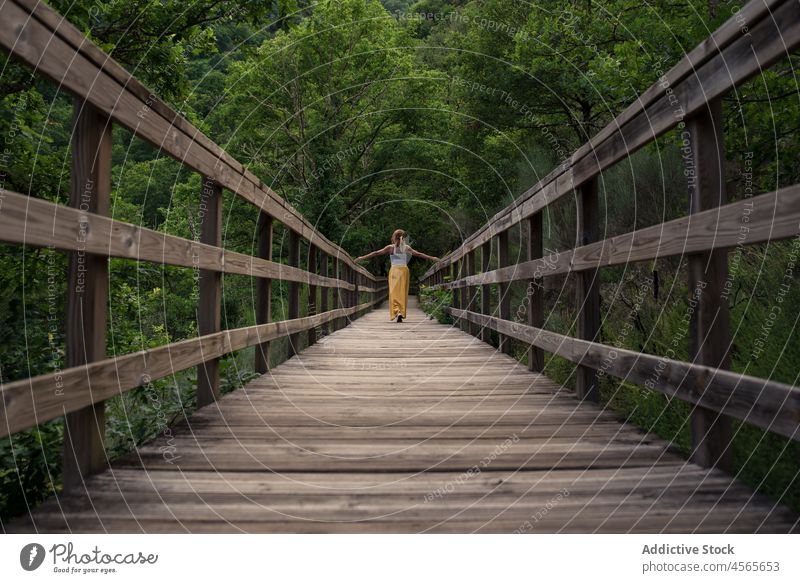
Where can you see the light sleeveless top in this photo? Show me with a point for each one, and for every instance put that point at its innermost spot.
(399, 258)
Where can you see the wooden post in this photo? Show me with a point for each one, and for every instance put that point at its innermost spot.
(348, 294)
(87, 292)
(324, 292)
(338, 270)
(359, 285)
(709, 340)
(352, 281)
(208, 309)
(264, 289)
(535, 291)
(343, 298)
(345, 277)
(454, 300)
(505, 295)
(294, 292)
(471, 292)
(587, 298)
(312, 292)
(463, 292)
(486, 292)
(351, 277)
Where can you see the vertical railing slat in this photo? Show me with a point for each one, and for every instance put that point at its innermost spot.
(709, 340)
(471, 292)
(87, 292)
(454, 292)
(324, 292)
(208, 308)
(359, 285)
(339, 300)
(294, 292)
(505, 289)
(264, 289)
(312, 293)
(587, 297)
(459, 291)
(535, 292)
(486, 290)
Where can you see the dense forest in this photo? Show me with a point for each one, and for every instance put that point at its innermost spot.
(368, 116)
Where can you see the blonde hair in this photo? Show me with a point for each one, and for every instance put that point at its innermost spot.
(400, 241)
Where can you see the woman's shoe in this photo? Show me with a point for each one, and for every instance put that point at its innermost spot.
(399, 318)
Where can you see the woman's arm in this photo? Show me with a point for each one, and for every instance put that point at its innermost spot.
(416, 253)
(385, 251)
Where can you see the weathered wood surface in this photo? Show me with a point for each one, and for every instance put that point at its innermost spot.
(264, 289)
(39, 223)
(209, 308)
(771, 216)
(412, 427)
(28, 402)
(710, 339)
(587, 286)
(87, 290)
(767, 404)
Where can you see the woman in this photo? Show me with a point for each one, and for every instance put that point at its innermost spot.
(400, 252)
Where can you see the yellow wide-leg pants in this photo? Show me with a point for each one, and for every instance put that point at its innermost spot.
(399, 279)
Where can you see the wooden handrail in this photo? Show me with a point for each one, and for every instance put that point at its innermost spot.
(28, 402)
(687, 98)
(770, 217)
(40, 223)
(106, 94)
(35, 34)
(723, 61)
(767, 404)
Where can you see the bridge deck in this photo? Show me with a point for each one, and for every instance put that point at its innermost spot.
(406, 428)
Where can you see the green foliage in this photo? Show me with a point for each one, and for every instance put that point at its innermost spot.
(156, 40)
(434, 301)
(334, 120)
(30, 467)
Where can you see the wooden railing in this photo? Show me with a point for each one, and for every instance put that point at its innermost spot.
(105, 94)
(688, 97)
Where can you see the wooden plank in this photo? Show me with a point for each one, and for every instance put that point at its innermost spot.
(486, 292)
(348, 296)
(312, 292)
(505, 290)
(41, 223)
(324, 292)
(471, 291)
(210, 301)
(535, 291)
(293, 299)
(461, 271)
(587, 288)
(456, 297)
(31, 401)
(709, 329)
(351, 299)
(87, 292)
(264, 290)
(764, 403)
(43, 39)
(338, 270)
(767, 217)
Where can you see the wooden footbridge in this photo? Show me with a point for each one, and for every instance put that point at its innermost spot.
(412, 427)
